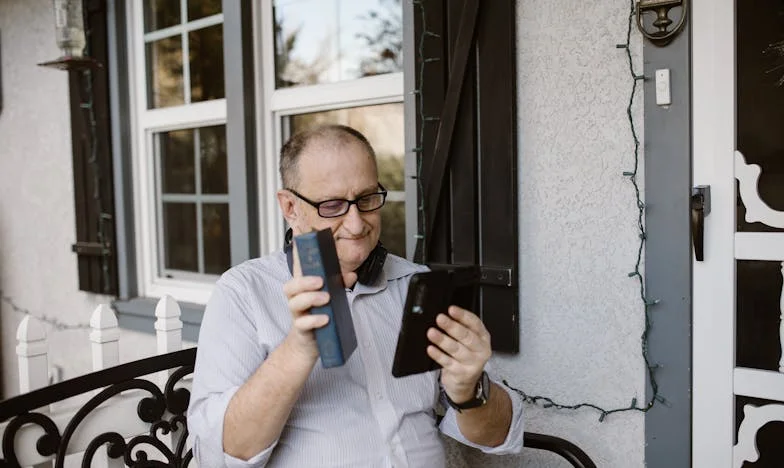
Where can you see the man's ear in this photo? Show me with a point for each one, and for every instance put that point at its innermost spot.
(287, 205)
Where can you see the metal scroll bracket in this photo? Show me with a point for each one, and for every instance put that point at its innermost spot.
(665, 30)
(700, 208)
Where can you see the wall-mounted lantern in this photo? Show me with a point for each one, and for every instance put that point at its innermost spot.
(665, 30)
(70, 36)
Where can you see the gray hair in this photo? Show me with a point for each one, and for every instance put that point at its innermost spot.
(293, 148)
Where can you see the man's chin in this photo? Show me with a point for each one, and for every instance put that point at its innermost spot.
(350, 261)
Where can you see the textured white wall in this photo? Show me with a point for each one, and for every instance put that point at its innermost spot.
(37, 269)
(581, 316)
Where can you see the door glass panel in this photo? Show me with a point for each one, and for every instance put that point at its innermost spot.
(758, 342)
(760, 100)
(382, 125)
(768, 437)
(324, 41)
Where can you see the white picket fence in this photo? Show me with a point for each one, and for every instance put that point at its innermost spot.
(117, 414)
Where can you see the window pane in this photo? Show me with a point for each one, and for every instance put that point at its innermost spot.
(393, 227)
(217, 245)
(178, 173)
(383, 126)
(324, 41)
(206, 63)
(159, 14)
(201, 8)
(212, 151)
(164, 73)
(180, 237)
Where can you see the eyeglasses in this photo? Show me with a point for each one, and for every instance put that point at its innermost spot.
(340, 206)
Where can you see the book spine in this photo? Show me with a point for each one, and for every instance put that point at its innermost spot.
(312, 264)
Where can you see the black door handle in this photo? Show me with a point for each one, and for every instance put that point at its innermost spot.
(700, 207)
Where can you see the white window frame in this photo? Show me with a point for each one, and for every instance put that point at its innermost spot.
(144, 124)
(273, 105)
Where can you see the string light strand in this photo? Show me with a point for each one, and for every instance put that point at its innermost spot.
(52, 322)
(95, 169)
(421, 251)
(637, 274)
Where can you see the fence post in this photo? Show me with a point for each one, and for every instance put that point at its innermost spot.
(33, 361)
(105, 344)
(31, 354)
(168, 329)
(168, 326)
(105, 338)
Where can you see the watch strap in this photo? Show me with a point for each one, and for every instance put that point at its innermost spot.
(481, 394)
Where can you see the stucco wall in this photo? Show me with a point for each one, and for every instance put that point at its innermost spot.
(581, 317)
(37, 268)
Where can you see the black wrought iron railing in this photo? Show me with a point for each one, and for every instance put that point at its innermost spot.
(164, 411)
(567, 450)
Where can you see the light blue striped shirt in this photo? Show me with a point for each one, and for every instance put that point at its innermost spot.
(357, 415)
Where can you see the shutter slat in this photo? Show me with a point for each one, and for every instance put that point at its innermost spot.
(435, 167)
(93, 185)
(496, 83)
(469, 166)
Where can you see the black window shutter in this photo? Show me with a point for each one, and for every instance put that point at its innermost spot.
(467, 138)
(92, 160)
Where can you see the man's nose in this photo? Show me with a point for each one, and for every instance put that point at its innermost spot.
(353, 221)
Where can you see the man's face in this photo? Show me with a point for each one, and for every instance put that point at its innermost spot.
(329, 170)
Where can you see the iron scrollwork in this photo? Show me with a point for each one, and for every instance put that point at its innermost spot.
(164, 411)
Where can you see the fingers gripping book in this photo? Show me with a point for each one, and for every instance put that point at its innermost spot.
(318, 257)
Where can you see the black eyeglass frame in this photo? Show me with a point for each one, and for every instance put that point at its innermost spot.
(382, 191)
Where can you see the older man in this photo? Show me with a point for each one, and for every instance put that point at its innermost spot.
(260, 395)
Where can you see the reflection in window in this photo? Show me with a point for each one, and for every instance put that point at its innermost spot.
(164, 73)
(206, 63)
(193, 201)
(184, 63)
(325, 41)
(383, 127)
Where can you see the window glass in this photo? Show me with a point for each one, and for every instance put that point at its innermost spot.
(159, 14)
(325, 41)
(164, 73)
(178, 173)
(383, 126)
(206, 63)
(179, 236)
(203, 8)
(193, 200)
(184, 63)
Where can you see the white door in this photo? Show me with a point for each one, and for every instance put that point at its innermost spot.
(738, 303)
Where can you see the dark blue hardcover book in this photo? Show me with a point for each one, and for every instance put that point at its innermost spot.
(318, 257)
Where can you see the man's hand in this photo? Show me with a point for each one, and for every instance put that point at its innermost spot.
(303, 293)
(462, 349)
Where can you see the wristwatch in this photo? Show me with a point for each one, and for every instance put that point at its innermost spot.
(480, 396)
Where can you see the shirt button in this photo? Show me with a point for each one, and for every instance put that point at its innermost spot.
(367, 344)
(379, 396)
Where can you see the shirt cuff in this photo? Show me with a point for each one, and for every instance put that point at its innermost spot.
(513, 444)
(257, 461)
(206, 417)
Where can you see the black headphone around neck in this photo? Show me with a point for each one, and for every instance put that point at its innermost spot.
(367, 273)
